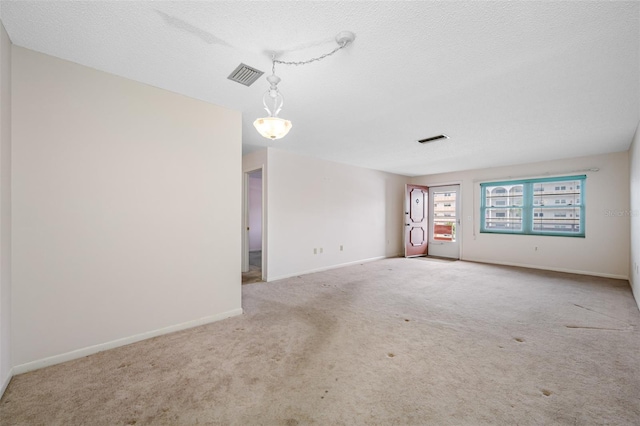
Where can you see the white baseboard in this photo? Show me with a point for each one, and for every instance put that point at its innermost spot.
(79, 353)
(545, 268)
(635, 292)
(326, 268)
(5, 382)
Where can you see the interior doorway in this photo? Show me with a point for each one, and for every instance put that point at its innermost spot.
(252, 270)
(444, 221)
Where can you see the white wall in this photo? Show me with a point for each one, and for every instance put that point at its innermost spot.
(634, 214)
(314, 203)
(126, 209)
(5, 209)
(603, 252)
(255, 211)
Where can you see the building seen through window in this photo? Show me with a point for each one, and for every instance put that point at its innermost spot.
(536, 206)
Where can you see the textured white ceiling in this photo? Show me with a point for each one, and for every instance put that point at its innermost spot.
(509, 82)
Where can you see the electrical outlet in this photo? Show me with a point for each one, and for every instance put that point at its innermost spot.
(341, 248)
(320, 250)
(315, 251)
(535, 248)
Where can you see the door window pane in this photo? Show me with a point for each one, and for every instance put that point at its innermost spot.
(444, 216)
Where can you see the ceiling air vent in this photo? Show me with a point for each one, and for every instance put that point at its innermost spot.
(433, 138)
(244, 74)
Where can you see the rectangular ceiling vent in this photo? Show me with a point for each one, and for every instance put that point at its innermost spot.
(433, 138)
(244, 74)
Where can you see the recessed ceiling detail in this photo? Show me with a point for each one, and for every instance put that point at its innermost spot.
(244, 74)
(433, 138)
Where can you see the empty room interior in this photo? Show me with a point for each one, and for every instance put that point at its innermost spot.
(441, 224)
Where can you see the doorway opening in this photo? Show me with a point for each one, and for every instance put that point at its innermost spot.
(432, 225)
(444, 221)
(252, 270)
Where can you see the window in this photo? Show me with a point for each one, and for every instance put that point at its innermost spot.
(534, 206)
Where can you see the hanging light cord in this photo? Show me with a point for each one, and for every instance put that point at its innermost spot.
(308, 61)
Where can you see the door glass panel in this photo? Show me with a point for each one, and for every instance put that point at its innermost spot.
(417, 205)
(444, 216)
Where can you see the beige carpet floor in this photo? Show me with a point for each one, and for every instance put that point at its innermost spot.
(392, 342)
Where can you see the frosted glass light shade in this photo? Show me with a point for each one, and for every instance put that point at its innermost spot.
(272, 127)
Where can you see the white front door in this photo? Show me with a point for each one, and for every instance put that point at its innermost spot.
(444, 222)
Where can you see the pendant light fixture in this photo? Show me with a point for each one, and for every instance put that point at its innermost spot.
(272, 126)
